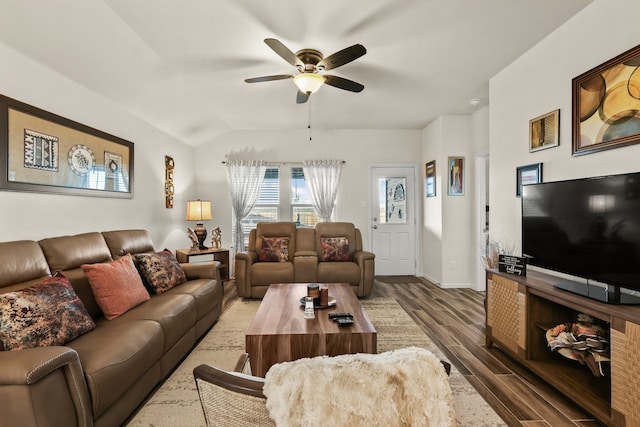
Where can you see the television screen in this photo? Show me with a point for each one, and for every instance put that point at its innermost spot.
(589, 228)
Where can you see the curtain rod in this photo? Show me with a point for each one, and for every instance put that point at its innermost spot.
(281, 163)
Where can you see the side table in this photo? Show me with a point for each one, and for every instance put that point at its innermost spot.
(218, 254)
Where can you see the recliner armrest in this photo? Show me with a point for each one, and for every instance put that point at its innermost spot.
(55, 373)
(361, 256)
(202, 270)
(306, 254)
(250, 256)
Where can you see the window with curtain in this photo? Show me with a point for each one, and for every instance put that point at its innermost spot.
(301, 204)
(284, 196)
(267, 208)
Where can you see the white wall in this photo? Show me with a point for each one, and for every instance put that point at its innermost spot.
(359, 148)
(449, 249)
(540, 82)
(36, 216)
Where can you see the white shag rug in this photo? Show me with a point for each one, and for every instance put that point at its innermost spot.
(397, 388)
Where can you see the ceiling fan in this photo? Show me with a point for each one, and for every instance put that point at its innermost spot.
(311, 65)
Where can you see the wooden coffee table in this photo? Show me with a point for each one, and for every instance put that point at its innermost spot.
(280, 333)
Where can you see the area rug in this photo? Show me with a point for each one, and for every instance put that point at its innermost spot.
(176, 402)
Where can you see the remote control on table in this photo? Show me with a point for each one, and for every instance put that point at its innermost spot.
(344, 321)
(335, 316)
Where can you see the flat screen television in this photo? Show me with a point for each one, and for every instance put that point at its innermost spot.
(586, 228)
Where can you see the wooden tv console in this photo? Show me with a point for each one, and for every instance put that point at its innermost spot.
(519, 312)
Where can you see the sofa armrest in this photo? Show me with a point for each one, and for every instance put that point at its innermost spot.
(242, 272)
(366, 261)
(306, 253)
(361, 256)
(43, 386)
(202, 270)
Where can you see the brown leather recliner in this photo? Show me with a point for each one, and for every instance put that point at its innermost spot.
(304, 263)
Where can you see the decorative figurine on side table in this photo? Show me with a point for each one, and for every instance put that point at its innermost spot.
(194, 238)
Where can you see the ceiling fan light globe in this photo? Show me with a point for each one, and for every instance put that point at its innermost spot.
(308, 82)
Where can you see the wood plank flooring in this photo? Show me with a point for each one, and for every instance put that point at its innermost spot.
(454, 320)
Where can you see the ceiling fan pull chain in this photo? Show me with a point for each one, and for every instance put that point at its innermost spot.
(309, 120)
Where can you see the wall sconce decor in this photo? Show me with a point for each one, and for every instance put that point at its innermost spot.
(199, 211)
(168, 182)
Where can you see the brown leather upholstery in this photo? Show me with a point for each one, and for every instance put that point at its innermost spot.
(101, 377)
(254, 277)
(123, 242)
(21, 261)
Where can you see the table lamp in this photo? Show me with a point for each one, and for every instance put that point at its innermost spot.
(199, 210)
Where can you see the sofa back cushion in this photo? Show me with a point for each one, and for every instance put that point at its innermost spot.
(21, 261)
(339, 230)
(121, 242)
(68, 253)
(277, 229)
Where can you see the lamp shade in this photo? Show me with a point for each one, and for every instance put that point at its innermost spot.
(308, 82)
(199, 210)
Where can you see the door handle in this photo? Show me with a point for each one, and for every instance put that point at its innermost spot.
(375, 227)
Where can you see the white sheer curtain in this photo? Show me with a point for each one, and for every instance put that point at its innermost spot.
(245, 180)
(322, 177)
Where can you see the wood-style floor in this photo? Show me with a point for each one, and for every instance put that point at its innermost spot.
(454, 320)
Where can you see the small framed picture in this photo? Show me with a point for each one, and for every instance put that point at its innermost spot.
(544, 131)
(456, 176)
(430, 178)
(530, 174)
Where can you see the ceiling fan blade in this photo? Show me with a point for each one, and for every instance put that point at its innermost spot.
(302, 97)
(342, 83)
(342, 57)
(284, 52)
(268, 78)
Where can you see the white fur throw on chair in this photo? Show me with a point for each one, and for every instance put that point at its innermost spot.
(406, 387)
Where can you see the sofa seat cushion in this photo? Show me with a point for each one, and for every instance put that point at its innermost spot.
(206, 293)
(267, 273)
(175, 313)
(115, 355)
(45, 314)
(339, 272)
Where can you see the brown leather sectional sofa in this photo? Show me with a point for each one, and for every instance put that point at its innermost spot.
(101, 377)
(305, 260)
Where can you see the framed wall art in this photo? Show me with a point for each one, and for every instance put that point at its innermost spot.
(430, 178)
(606, 105)
(529, 174)
(43, 152)
(544, 131)
(456, 176)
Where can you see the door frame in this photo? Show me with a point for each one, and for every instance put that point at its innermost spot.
(417, 208)
(481, 177)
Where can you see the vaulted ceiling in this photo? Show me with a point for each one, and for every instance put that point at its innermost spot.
(180, 65)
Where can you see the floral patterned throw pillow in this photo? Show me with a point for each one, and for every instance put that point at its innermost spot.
(335, 249)
(48, 313)
(274, 249)
(160, 271)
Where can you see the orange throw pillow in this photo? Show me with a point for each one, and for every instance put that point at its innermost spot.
(116, 285)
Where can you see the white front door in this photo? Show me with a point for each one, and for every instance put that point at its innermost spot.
(393, 224)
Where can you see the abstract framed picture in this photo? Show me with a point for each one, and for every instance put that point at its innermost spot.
(456, 174)
(43, 152)
(606, 105)
(430, 178)
(544, 131)
(529, 174)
